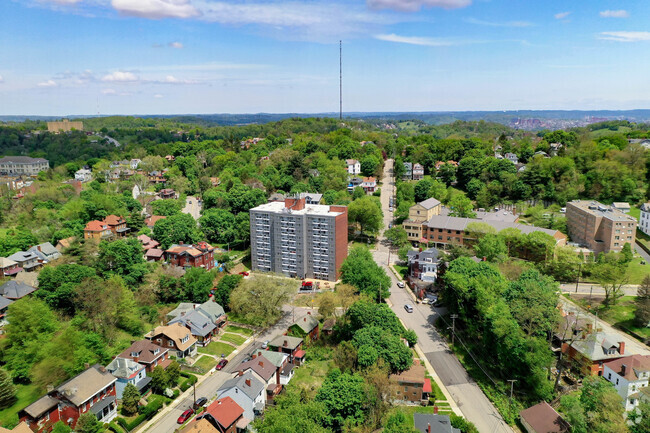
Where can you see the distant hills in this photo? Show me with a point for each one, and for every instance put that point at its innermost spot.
(524, 119)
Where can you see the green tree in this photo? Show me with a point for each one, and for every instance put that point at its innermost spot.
(642, 312)
(344, 396)
(167, 207)
(492, 247)
(532, 299)
(641, 422)
(123, 257)
(327, 304)
(421, 190)
(174, 229)
(219, 226)
(602, 406)
(172, 373)
(626, 253)
(361, 271)
(612, 277)
(130, 400)
(365, 212)
(388, 347)
(294, 412)
(60, 427)
(461, 206)
(7, 390)
(345, 357)
(88, 423)
(197, 283)
(225, 286)
(260, 299)
(159, 380)
(397, 423)
(397, 236)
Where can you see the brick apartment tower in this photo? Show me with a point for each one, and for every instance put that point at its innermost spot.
(299, 240)
(599, 227)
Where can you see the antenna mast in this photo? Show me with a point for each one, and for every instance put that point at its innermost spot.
(340, 80)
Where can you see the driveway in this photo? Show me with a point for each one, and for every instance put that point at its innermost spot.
(476, 407)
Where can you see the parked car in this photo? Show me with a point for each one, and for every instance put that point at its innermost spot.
(200, 402)
(265, 345)
(390, 209)
(185, 416)
(221, 364)
(246, 359)
(244, 273)
(423, 301)
(408, 308)
(401, 284)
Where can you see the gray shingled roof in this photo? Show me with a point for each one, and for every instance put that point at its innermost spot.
(429, 203)
(457, 223)
(21, 160)
(292, 342)
(306, 323)
(239, 382)
(593, 347)
(40, 406)
(439, 423)
(22, 256)
(4, 302)
(15, 290)
(276, 358)
(123, 367)
(198, 322)
(212, 309)
(86, 384)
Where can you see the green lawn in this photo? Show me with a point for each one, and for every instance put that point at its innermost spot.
(233, 338)
(26, 395)
(311, 375)
(205, 363)
(217, 348)
(402, 270)
(622, 315)
(410, 410)
(239, 330)
(635, 212)
(636, 271)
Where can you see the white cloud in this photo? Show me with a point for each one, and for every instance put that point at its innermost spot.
(121, 77)
(48, 83)
(615, 14)
(108, 92)
(561, 15)
(178, 45)
(499, 24)
(2, 79)
(624, 36)
(416, 5)
(156, 9)
(417, 40)
(158, 95)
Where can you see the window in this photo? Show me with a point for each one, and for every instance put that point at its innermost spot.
(171, 343)
(617, 381)
(609, 376)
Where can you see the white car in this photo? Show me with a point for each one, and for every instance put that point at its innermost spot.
(408, 308)
(400, 284)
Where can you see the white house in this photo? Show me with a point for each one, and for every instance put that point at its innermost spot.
(644, 218)
(423, 265)
(247, 391)
(134, 163)
(628, 375)
(128, 371)
(354, 166)
(369, 184)
(83, 175)
(512, 157)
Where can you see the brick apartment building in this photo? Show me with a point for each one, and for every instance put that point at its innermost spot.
(599, 227)
(200, 255)
(299, 240)
(419, 214)
(22, 165)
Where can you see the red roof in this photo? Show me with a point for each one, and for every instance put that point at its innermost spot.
(95, 226)
(113, 220)
(151, 221)
(427, 385)
(300, 354)
(633, 365)
(226, 411)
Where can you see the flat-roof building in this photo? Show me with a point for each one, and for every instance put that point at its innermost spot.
(22, 165)
(599, 227)
(65, 126)
(299, 240)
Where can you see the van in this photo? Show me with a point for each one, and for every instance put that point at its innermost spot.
(408, 308)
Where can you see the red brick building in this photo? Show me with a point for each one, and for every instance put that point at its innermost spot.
(200, 255)
(147, 353)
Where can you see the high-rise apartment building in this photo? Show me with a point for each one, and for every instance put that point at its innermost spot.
(299, 240)
(599, 227)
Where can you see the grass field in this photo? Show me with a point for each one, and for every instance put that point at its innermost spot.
(217, 348)
(622, 315)
(233, 338)
(239, 330)
(25, 394)
(311, 375)
(636, 271)
(206, 363)
(402, 270)
(635, 212)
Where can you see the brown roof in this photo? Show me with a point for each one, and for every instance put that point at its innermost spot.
(146, 350)
(542, 418)
(633, 364)
(200, 426)
(415, 374)
(86, 384)
(20, 428)
(41, 406)
(175, 332)
(113, 220)
(154, 252)
(260, 365)
(225, 411)
(151, 221)
(65, 243)
(95, 226)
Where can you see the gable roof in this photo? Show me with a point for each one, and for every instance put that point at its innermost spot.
(40, 406)
(593, 347)
(175, 332)
(45, 248)
(6, 262)
(152, 220)
(307, 323)
(260, 365)
(23, 256)
(20, 428)
(154, 252)
(212, 309)
(65, 243)
(544, 419)
(225, 411)
(200, 426)
(351, 161)
(113, 220)
(415, 374)
(15, 290)
(198, 322)
(86, 384)
(438, 423)
(291, 342)
(251, 391)
(146, 349)
(634, 365)
(95, 226)
(275, 358)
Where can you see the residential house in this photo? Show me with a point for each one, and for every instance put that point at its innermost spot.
(423, 265)
(167, 193)
(64, 243)
(156, 177)
(354, 167)
(45, 252)
(369, 184)
(93, 391)
(128, 371)
(622, 206)
(200, 255)
(554, 148)
(22, 165)
(134, 163)
(305, 327)
(226, 415)
(147, 242)
(412, 385)
(594, 350)
(644, 219)
(83, 175)
(512, 157)
(176, 337)
(310, 198)
(541, 153)
(203, 320)
(353, 183)
(292, 346)
(247, 391)
(15, 290)
(154, 255)
(280, 360)
(418, 172)
(148, 354)
(20, 428)
(97, 230)
(170, 158)
(201, 425)
(8, 267)
(419, 214)
(4, 306)
(542, 418)
(263, 369)
(628, 375)
(433, 423)
(644, 142)
(117, 224)
(26, 260)
(151, 221)
(328, 326)
(408, 171)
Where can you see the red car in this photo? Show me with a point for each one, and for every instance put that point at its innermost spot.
(221, 364)
(185, 416)
(244, 273)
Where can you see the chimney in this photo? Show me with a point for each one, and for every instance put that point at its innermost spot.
(621, 347)
(428, 427)
(241, 373)
(435, 410)
(248, 382)
(308, 312)
(285, 344)
(590, 327)
(103, 369)
(180, 243)
(262, 364)
(254, 356)
(623, 368)
(38, 247)
(304, 319)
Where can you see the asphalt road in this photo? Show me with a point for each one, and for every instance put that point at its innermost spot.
(192, 207)
(468, 396)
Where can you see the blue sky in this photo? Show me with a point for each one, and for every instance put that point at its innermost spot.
(65, 57)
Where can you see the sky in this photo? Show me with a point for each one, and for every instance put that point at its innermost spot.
(83, 57)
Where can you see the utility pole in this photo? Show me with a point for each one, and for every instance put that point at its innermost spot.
(578, 277)
(379, 294)
(453, 328)
(512, 387)
(194, 386)
(340, 80)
